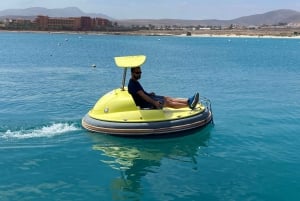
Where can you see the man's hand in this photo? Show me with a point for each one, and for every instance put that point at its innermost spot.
(147, 98)
(158, 105)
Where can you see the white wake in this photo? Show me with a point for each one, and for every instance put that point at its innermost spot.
(45, 131)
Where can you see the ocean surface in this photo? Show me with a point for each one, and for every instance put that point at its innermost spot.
(47, 84)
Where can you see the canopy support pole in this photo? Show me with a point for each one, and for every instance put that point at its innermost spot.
(124, 79)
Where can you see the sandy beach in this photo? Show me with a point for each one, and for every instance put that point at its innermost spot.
(239, 33)
(291, 33)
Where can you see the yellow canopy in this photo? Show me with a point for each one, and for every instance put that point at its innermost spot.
(130, 61)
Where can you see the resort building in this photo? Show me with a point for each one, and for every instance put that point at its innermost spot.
(16, 24)
(72, 23)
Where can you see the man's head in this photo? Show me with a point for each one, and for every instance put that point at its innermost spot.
(136, 73)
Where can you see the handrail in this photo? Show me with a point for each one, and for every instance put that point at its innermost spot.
(207, 103)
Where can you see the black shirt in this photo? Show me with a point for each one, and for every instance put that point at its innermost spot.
(133, 87)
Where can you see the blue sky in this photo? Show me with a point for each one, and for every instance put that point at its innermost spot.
(157, 9)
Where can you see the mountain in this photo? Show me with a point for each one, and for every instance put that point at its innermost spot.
(59, 12)
(269, 18)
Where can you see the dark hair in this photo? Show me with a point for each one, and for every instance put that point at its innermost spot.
(132, 69)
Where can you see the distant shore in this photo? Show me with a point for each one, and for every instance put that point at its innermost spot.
(257, 33)
(234, 33)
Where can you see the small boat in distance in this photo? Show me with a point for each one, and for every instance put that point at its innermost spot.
(115, 113)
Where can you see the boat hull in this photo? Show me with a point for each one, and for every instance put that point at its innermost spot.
(147, 128)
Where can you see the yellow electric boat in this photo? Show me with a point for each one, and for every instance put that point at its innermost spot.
(116, 113)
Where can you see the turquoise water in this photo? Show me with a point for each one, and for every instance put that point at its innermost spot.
(47, 85)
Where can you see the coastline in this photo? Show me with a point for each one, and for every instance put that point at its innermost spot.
(283, 34)
(242, 36)
(234, 33)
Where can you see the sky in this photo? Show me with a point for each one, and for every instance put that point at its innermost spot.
(160, 9)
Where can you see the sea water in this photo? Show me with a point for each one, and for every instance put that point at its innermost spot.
(48, 82)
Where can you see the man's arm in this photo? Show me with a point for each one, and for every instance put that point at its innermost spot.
(157, 104)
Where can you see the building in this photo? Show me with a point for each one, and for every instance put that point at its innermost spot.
(294, 25)
(17, 24)
(86, 24)
(47, 23)
(73, 23)
(100, 23)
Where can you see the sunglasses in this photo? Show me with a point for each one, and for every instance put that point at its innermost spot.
(138, 73)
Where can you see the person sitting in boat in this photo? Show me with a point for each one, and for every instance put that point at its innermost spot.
(151, 100)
